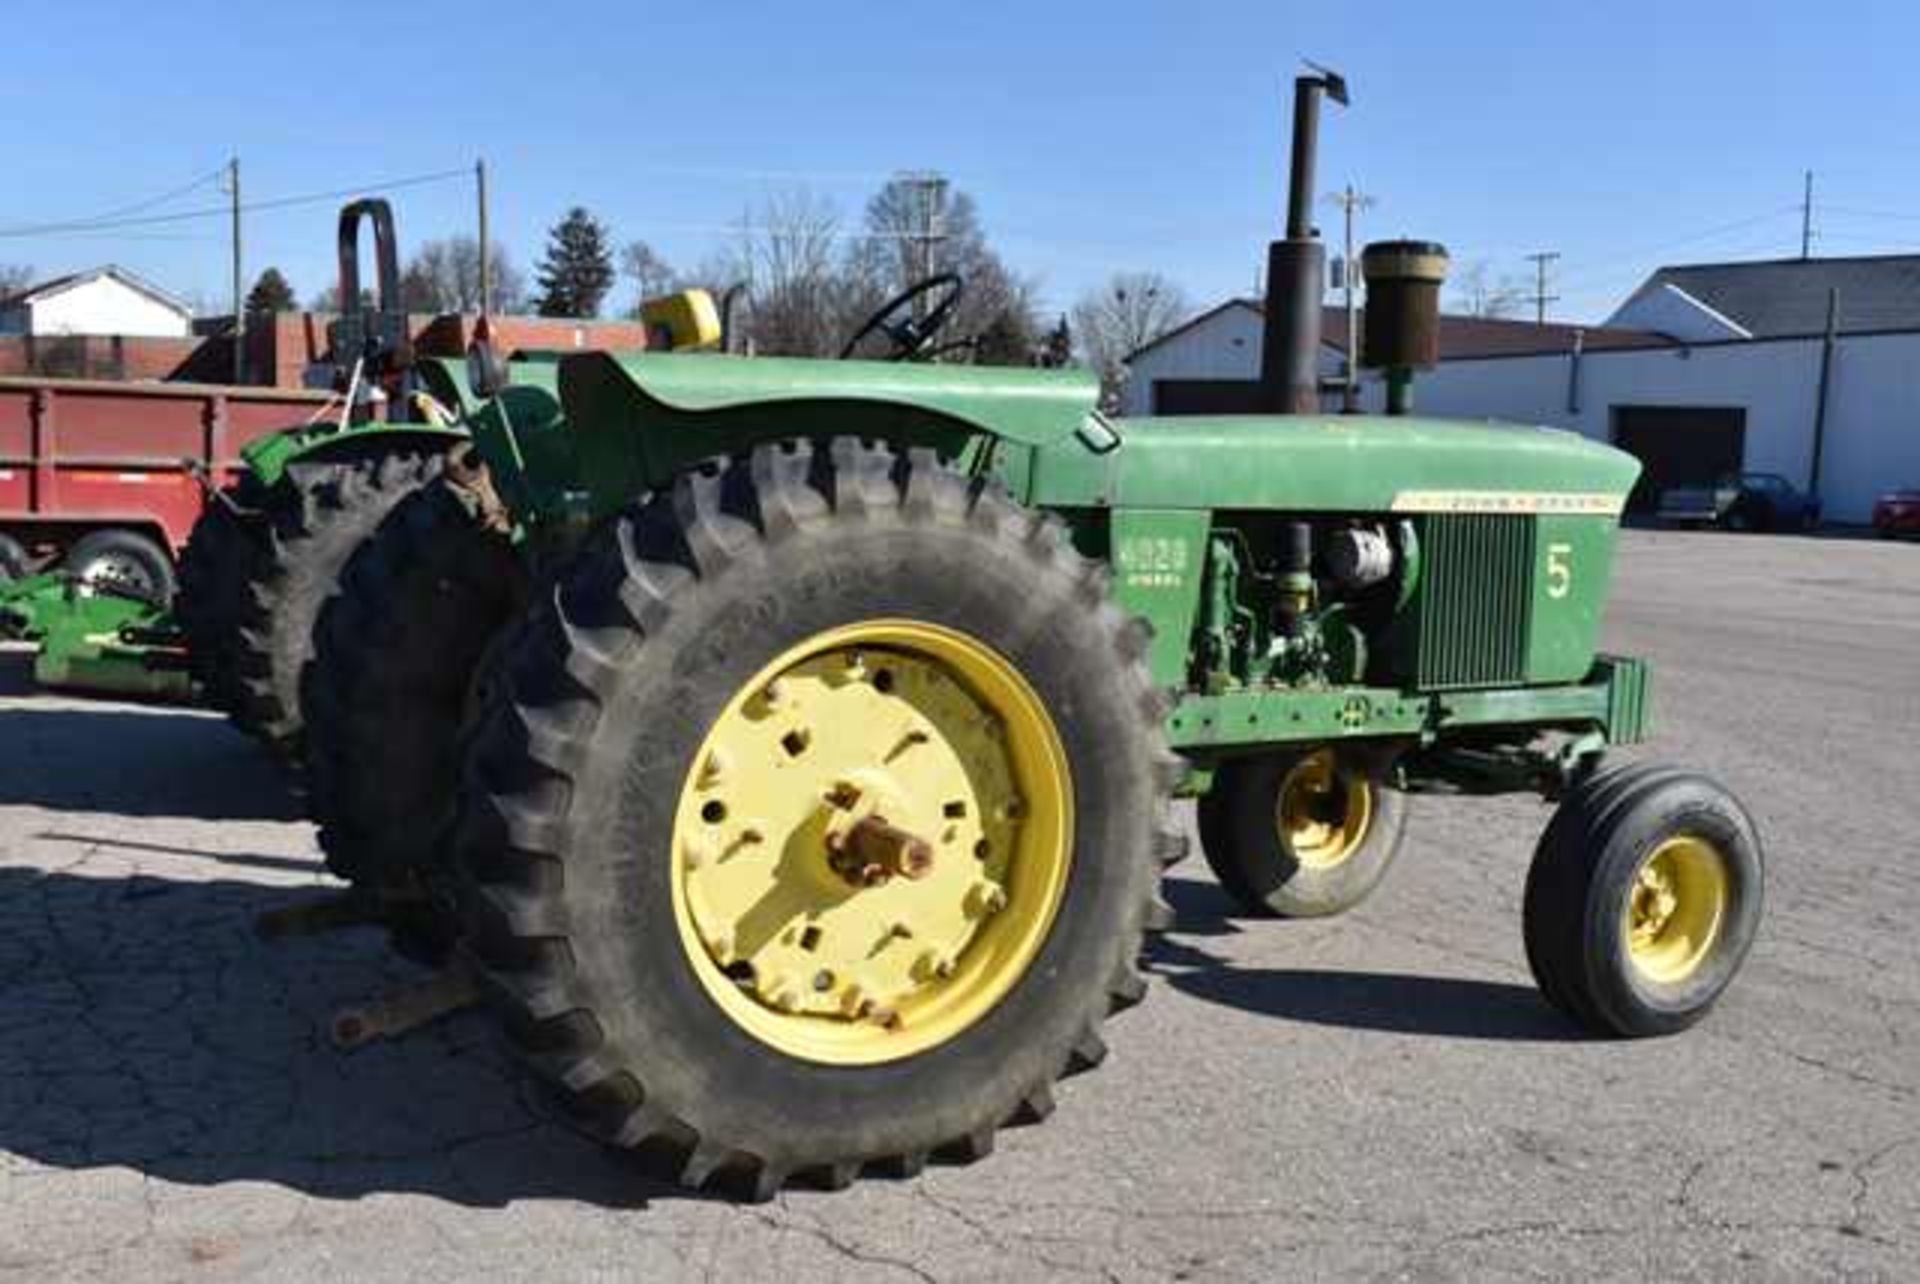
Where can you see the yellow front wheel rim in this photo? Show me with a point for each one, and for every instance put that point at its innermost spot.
(1676, 906)
(1323, 813)
(872, 842)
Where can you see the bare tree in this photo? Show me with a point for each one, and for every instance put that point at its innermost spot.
(14, 277)
(788, 258)
(916, 228)
(444, 276)
(651, 275)
(1113, 322)
(1477, 294)
(810, 285)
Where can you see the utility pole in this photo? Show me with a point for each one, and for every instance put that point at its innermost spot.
(1541, 298)
(486, 249)
(1806, 219)
(930, 190)
(239, 299)
(1350, 202)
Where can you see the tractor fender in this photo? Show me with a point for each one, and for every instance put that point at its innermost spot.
(639, 418)
(271, 457)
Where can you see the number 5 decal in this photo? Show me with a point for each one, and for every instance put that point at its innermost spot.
(1559, 570)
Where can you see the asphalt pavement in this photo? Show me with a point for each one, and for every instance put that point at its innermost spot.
(1380, 1096)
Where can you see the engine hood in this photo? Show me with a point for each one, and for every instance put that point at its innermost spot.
(1342, 464)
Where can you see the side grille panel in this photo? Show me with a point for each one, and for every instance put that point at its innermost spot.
(1476, 600)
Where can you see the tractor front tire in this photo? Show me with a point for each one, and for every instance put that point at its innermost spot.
(816, 820)
(1302, 834)
(1643, 899)
(393, 671)
(320, 513)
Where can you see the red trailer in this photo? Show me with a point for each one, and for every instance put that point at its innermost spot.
(99, 477)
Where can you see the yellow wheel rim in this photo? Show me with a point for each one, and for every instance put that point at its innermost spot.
(1323, 813)
(872, 842)
(1675, 908)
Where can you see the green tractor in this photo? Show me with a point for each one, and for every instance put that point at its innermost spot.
(786, 749)
(269, 550)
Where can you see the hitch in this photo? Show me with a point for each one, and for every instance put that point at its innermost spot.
(327, 914)
(406, 1009)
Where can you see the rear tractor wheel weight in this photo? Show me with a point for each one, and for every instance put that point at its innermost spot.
(841, 885)
(1302, 834)
(1643, 899)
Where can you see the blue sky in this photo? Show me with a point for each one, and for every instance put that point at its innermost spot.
(1095, 137)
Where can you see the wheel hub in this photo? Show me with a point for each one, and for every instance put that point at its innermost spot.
(857, 862)
(1675, 907)
(1323, 814)
(114, 570)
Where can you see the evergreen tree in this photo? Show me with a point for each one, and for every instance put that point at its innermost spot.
(1056, 350)
(271, 293)
(577, 271)
(1006, 341)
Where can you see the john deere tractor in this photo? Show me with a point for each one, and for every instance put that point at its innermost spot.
(268, 552)
(789, 746)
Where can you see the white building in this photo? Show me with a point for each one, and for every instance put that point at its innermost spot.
(1703, 370)
(107, 300)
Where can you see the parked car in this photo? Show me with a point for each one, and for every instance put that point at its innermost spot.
(1742, 502)
(1897, 513)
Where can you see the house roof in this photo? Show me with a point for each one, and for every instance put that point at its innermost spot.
(132, 280)
(1781, 297)
(1461, 338)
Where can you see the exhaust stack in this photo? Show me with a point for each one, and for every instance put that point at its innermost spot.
(1297, 266)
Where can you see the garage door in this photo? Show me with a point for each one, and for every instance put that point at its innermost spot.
(1679, 446)
(1206, 396)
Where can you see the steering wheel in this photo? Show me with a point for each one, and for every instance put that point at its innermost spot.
(908, 333)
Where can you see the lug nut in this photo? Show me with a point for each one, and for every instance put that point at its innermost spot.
(985, 898)
(932, 965)
(782, 993)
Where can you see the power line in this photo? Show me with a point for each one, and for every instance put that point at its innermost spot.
(1707, 234)
(96, 220)
(1852, 212)
(227, 210)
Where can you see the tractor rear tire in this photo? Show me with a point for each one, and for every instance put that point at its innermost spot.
(393, 671)
(1263, 831)
(1643, 899)
(577, 846)
(320, 513)
(213, 580)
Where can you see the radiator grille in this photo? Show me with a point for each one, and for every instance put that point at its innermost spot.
(1476, 600)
